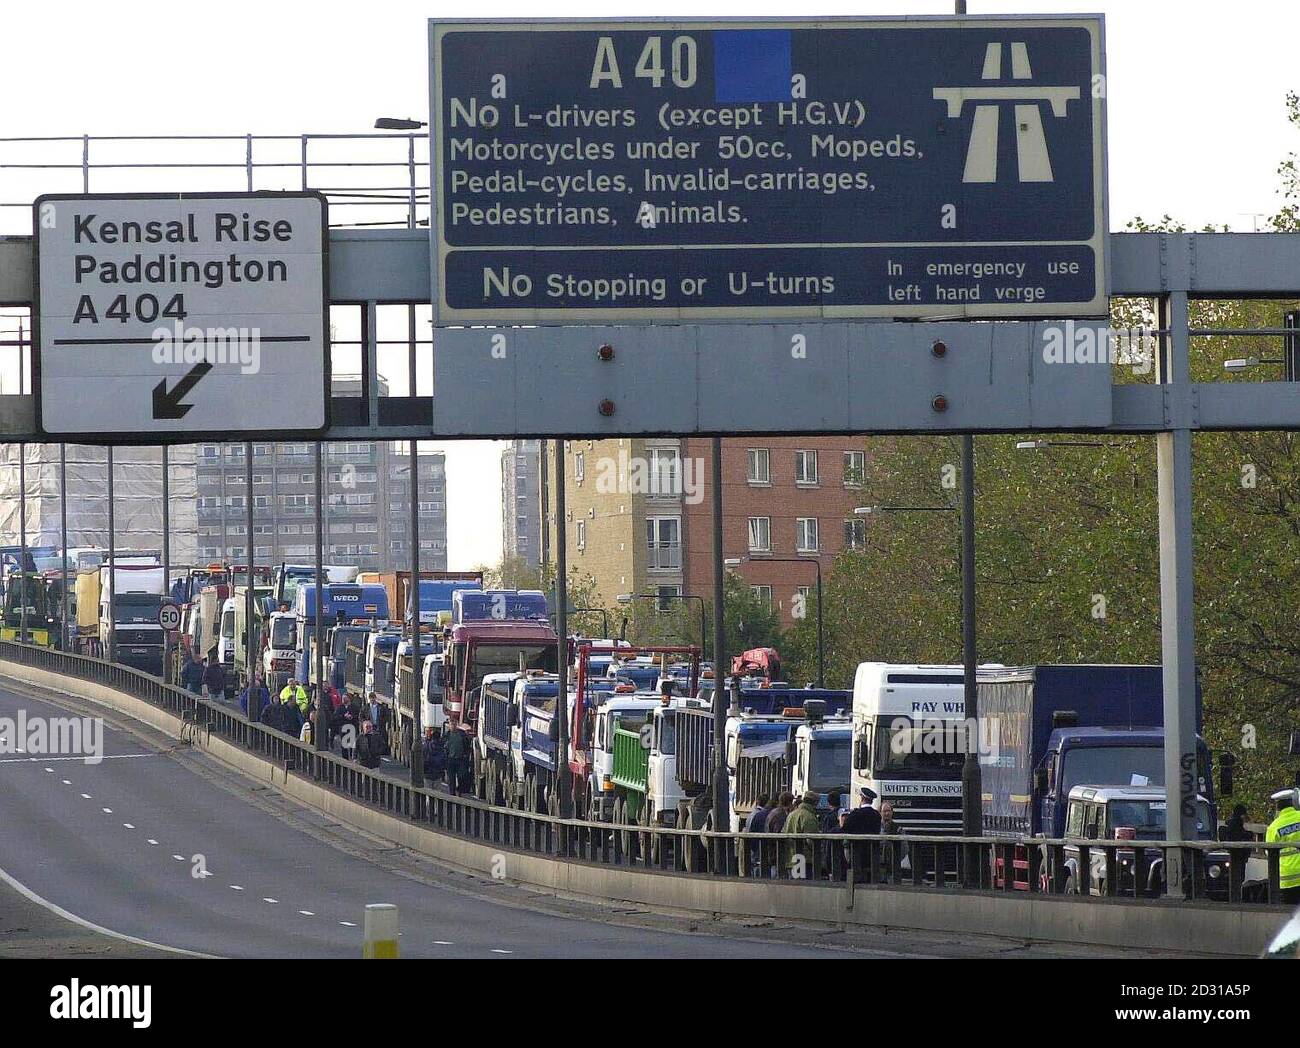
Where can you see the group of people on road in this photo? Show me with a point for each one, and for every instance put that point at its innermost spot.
(784, 815)
(204, 676)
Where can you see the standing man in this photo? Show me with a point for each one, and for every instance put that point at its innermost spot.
(1286, 827)
(192, 674)
(214, 678)
(863, 819)
(295, 693)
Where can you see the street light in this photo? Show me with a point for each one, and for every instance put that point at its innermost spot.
(1039, 445)
(394, 123)
(628, 598)
(821, 639)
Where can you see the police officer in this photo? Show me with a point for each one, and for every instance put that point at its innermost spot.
(297, 693)
(1286, 827)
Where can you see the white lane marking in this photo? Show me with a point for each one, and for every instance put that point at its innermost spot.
(503, 951)
(67, 915)
(237, 887)
(442, 942)
(347, 924)
(307, 913)
(83, 760)
(269, 899)
(128, 826)
(67, 782)
(152, 841)
(179, 858)
(50, 770)
(85, 796)
(107, 811)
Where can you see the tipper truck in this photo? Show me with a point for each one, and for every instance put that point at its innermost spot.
(493, 631)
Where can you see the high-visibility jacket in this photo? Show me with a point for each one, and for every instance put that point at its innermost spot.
(1286, 827)
(298, 694)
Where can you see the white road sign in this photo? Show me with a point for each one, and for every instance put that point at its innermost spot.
(166, 317)
(169, 616)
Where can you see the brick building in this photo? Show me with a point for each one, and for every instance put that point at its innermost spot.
(640, 514)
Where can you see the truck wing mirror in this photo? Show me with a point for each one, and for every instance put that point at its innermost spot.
(1040, 780)
(1227, 763)
(512, 716)
(790, 753)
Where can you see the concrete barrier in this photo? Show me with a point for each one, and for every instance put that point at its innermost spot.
(1201, 927)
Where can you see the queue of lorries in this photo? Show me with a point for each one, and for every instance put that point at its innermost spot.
(1065, 750)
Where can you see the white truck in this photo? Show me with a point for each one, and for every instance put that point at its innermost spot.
(280, 654)
(138, 589)
(822, 750)
(909, 735)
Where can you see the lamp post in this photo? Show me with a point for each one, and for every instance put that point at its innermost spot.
(396, 123)
(627, 598)
(604, 617)
(816, 563)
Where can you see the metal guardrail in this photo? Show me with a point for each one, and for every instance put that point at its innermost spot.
(975, 864)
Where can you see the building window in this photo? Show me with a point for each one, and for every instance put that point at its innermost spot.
(579, 467)
(855, 468)
(760, 534)
(667, 598)
(805, 467)
(582, 534)
(855, 534)
(261, 478)
(665, 472)
(760, 466)
(288, 529)
(764, 594)
(664, 542)
(234, 501)
(806, 534)
(261, 501)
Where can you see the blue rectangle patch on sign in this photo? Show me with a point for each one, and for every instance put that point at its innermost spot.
(751, 65)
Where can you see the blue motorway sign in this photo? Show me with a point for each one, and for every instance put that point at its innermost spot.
(631, 171)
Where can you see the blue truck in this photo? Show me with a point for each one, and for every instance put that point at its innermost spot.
(1057, 727)
(343, 603)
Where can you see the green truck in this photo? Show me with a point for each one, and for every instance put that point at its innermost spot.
(631, 772)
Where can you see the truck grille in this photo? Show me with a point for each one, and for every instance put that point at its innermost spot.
(138, 635)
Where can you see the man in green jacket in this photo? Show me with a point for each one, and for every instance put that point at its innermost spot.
(802, 820)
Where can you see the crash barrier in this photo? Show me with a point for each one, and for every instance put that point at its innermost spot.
(1097, 869)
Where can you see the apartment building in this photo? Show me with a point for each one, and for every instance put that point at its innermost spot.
(783, 499)
(521, 503)
(640, 513)
(367, 505)
(624, 514)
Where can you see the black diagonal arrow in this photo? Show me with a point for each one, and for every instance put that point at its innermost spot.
(168, 405)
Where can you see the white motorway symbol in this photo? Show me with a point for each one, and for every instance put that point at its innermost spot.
(181, 315)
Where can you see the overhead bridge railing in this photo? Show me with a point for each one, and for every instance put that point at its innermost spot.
(1090, 869)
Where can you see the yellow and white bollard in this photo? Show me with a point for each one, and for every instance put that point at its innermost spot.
(381, 931)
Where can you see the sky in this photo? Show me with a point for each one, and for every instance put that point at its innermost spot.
(1196, 97)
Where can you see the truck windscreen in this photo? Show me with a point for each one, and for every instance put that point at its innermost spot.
(828, 764)
(228, 624)
(504, 658)
(1112, 766)
(1148, 818)
(284, 633)
(919, 750)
